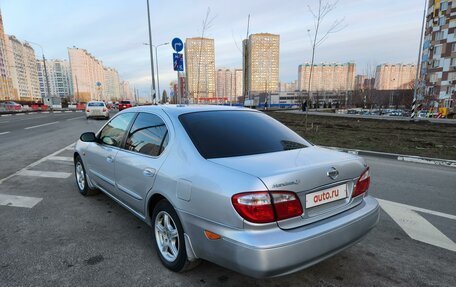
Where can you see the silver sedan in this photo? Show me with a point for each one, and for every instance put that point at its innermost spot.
(229, 185)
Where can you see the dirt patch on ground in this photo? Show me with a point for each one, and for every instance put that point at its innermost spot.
(411, 138)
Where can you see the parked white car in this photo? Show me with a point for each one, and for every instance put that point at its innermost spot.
(97, 109)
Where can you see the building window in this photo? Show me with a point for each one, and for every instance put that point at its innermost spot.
(442, 21)
(433, 78)
(453, 47)
(443, 6)
(439, 35)
(452, 76)
(453, 62)
(438, 50)
(435, 63)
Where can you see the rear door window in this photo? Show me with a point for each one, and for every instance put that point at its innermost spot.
(148, 135)
(219, 134)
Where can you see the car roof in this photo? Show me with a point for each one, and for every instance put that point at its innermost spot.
(176, 110)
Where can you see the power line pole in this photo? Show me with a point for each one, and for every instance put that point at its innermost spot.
(151, 55)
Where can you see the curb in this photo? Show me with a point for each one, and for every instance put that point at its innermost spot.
(37, 112)
(401, 157)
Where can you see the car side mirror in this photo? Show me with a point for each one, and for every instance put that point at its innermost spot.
(88, 137)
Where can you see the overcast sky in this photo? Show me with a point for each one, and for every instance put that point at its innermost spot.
(114, 31)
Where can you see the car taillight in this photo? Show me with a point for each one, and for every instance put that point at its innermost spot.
(362, 185)
(88, 110)
(104, 109)
(259, 207)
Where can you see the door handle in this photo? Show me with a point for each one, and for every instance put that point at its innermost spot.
(149, 172)
(110, 159)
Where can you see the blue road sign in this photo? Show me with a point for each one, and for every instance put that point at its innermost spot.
(98, 84)
(177, 45)
(178, 62)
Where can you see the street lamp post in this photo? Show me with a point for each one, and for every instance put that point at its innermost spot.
(156, 66)
(158, 72)
(151, 53)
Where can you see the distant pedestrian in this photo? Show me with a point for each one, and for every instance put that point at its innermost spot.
(266, 105)
(304, 106)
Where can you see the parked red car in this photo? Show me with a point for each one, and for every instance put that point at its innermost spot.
(126, 104)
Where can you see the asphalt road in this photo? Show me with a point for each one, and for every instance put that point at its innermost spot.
(69, 240)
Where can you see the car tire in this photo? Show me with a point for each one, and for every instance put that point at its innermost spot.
(168, 235)
(81, 178)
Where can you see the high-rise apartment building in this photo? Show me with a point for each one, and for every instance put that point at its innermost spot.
(112, 84)
(327, 77)
(59, 77)
(438, 70)
(7, 91)
(224, 86)
(87, 74)
(200, 69)
(288, 87)
(261, 63)
(125, 91)
(22, 67)
(238, 84)
(395, 77)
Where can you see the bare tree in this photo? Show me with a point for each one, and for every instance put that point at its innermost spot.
(319, 15)
(207, 24)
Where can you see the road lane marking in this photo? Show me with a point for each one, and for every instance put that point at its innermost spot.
(75, 118)
(40, 173)
(37, 162)
(419, 209)
(4, 133)
(416, 226)
(61, 158)
(56, 112)
(7, 115)
(47, 124)
(20, 114)
(19, 201)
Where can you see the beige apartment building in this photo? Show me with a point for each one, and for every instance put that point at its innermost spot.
(261, 63)
(229, 85)
(22, 69)
(327, 77)
(395, 77)
(288, 87)
(200, 69)
(87, 74)
(7, 91)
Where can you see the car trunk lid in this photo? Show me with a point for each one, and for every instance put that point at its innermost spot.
(306, 172)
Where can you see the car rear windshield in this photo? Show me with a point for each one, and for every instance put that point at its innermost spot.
(96, 104)
(124, 102)
(219, 134)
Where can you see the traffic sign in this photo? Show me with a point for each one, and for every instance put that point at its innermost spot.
(98, 84)
(177, 45)
(178, 62)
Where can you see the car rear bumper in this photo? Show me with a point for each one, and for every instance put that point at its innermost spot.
(279, 252)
